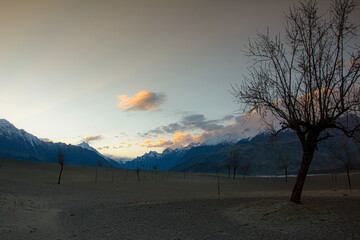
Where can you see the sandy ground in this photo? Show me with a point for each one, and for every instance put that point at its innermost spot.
(169, 205)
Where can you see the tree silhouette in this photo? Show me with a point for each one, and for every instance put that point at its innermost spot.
(99, 164)
(138, 173)
(245, 168)
(2, 162)
(155, 168)
(61, 161)
(309, 79)
(228, 167)
(284, 164)
(234, 160)
(346, 157)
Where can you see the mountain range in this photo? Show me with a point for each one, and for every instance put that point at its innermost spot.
(18, 144)
(262, 152)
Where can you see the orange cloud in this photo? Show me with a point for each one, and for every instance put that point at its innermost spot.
(233, 124)
(161, 143)
(88, 139)
(179, 140)
(245, 126)
(143, 101)
(183, 139)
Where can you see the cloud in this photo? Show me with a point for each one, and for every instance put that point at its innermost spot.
(228, 118)
(189, 122)
(172, 127)
(193, 119)
(121, 134)
(88, 139)
(351, 62)
(198, 121)
(45, 140)
(143, 101)
(243, 127)
(161, 143)
(181, 140)
(152, 133)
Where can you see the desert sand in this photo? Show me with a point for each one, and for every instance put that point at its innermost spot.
(170, 205)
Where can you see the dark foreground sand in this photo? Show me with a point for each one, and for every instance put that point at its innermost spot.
(169, 206)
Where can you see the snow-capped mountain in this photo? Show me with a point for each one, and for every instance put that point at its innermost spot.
(18, 144)
(86, 146)
(170, 157)
(246, 127)
(256, 145)
(9, 131)
(229, 139)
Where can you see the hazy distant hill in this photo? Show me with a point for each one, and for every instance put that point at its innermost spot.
(169, 158)
(263, 151)
(18, 144)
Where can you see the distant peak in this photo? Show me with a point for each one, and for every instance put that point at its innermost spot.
(4, 122)
(84, 144)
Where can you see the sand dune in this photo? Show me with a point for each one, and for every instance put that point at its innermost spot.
(169, 205)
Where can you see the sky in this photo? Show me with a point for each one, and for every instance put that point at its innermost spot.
(131, 76)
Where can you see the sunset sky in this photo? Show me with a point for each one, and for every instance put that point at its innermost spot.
(127, 76)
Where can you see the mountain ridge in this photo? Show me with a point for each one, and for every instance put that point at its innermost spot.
(18, 144)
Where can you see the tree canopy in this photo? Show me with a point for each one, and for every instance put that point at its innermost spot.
(308, 78)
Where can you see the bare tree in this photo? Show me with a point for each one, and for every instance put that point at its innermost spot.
(138, 173)
(2, 162)
(228, 167)
(346, 157)
(245, 168)
(61, 161)
(218, 181)
(308, 79)
(126, 175)
(112, 173)
(99, 164)
(284, 164)
(155, 168)
(234, 160)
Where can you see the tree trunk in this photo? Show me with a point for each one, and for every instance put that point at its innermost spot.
(348, 177)
(285, 174)
(308, 153)
(127, 171)
(137, 173)
(112, 175)
(2, 162)
(234, 172)
(218, 182)
(61, 169)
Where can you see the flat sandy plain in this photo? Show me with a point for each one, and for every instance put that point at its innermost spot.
(168, 205)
